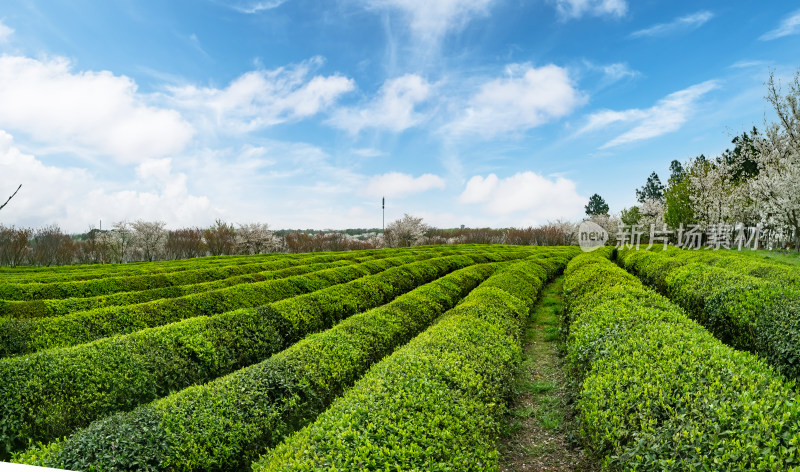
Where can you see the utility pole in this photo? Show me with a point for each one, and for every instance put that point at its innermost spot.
(383, 207)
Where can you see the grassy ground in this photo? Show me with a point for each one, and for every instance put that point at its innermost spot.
(539, 426)
(782, 256)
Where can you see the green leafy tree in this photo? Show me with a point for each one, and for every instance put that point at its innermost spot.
(631, 216)
(679, 204)
(596, 206)
(741, 159)
(653, 189)
(677, 172)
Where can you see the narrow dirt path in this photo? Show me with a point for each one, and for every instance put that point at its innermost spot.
(539, 427)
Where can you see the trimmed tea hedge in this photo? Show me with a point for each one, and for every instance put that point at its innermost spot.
(33, 274)
(29, 335)
(743, 263)
(659, 392)
(746, 312)
(64, 306)
(50, 393)
(434, 405)
(108, 285)
(228, 422)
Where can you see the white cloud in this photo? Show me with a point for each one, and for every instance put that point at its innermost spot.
(666, 116)
(396, 184)
(789, 26)
(75, 198)
(611, 73)
(392, 109)
(527, 196)
(748, 64)
(577, 8)
(263, 98)
(5, 32)
(250, 7)
(684, 23)
(94, 112)
(618, 71)
(528, 97)
(367, 152)
(430, 20)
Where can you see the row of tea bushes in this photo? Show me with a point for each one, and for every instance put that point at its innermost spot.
(658, 392)
(64, 306)
(25, 275)
(437, 403)
(50, 393)
(130, 283)
(28, 274)
(746, 312)
(19, 336)
(226, 423)
(743, 263)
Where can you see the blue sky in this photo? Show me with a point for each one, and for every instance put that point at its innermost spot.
(303, 114)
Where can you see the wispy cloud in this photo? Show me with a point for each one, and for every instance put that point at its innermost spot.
(194, 41)
(572, 9)
(612, 72)
(681, 24)
(5, 32)
(430, 20)
(263, 98)
(393, 109)
(666, 116)
(789, 26)
(748, 64)
(526, 98)
(397, 185)
(251, 7)
(367, 152)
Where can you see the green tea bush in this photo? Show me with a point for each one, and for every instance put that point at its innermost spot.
(434, 405)
(60, 307)
(745, 312)
(659, 392)
(58, 390)
(108, 285)
(19, 336)
(226, 423)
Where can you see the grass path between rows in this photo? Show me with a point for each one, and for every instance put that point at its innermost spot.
(539, 427)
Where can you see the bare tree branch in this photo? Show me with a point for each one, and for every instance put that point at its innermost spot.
(12, 196)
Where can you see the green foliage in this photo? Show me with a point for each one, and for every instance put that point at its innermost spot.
(36, 334)
(660, 393)
(60, 307)
(596, 206)
(59, 390)
(758, 314)
(229, 421)
(434, 405)
(678, 201)
(631, 216)
(653, 189)
(109, 285)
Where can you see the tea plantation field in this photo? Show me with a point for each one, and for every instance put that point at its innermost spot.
(396, 359)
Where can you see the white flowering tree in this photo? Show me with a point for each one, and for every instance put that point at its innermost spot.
(407, 231)
(714, 196)
(148, 239)
(775, 191)
(256, 238)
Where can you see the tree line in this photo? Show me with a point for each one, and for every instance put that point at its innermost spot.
(756, 183)
(141, 241)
